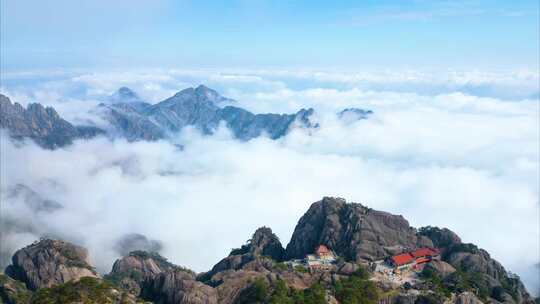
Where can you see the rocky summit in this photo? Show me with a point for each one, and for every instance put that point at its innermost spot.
(340, 252)
(354, 231)
(50, 262)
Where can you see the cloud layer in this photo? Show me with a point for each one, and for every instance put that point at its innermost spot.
(439, 157)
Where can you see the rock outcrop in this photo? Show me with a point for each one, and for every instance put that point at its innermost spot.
(50, 262)
(178, 286)
(131, 271)
(440, 268)
(41, 124)
(490, 275)
(353, 231)
(263, 243)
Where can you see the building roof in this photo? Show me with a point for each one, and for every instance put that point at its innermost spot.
(422, 252)
(402, 259)
(321, 249)
(422, 260)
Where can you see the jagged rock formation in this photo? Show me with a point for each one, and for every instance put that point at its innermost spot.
(131, 271)
(201, 108)
(41, 124)
(50, 262)
(353, 231)
(263, 243)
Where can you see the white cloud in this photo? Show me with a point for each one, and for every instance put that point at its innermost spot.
(450, 159)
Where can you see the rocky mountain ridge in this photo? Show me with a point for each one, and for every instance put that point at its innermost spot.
(261, 271)
(132, 118)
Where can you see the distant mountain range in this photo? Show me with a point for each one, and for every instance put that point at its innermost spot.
(360, 241)
(134, 119)
(41, 124)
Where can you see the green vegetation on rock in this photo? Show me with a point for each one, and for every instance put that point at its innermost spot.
(86, 290)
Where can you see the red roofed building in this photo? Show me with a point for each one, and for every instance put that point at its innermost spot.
(422, 260)
(425, 252)
(402, 260)
(321, 257)
(413, 258)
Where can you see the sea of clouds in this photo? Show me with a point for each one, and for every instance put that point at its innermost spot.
(456, 149)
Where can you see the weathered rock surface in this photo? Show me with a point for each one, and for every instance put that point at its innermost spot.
(178, 287)
(508, 288)
(263, 243)
(442, 238)
(131, 271)
(440, 268)
(50, 262)
(353, 231)
(41, 124)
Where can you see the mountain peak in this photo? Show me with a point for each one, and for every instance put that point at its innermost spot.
(125, 94)
(202, 93)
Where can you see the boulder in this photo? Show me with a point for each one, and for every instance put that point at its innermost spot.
(439, 267)
(50, 262)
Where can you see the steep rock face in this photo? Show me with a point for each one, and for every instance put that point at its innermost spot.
(353, 231)
(178, 287)
(131, 271)
(50, 262)
(41, 124)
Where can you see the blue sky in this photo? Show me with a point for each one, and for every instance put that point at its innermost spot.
(258, 33)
